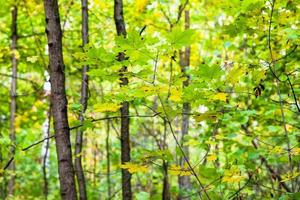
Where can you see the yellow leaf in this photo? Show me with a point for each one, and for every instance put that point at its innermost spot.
(141, 5)
(220, 96)
(107, 107)
(233, 179)
(175, 170)
(219, 137)
(212, 157)
(232, 175)
(205, 116)
(185, 173)
(211, 142)
(289, 127)
(192, 142)
(175, 96)
(32, 59)
(133, 168)
(295, 151)
(178, 171)
(276, 150)
(235, 75)
(290, 176)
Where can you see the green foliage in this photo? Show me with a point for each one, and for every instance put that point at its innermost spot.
(243, 87)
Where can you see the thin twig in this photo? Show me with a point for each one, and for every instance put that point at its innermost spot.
(115, 117)
(288, 54)
(294, 94)
(179, 146)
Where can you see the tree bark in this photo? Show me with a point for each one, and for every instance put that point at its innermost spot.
(59, 101)
(166, 186)
(125, 139)
(13, 102)
(184, 181)
(84, 98)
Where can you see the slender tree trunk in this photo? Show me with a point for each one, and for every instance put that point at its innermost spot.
(125, 139)
(84, 99)
(46, 152)
(59, 101)
(13, 103)
(2, 184)
(166, 185)
(184, 181)
(95, 152)
(108, 160)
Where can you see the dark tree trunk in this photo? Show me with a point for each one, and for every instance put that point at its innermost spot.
(13, 102)
(125, 140)
(184, 181)
(166, 185)
(84, 99)
(59, 101)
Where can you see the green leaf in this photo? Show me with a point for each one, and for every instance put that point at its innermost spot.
(178, 38)
(142, 196)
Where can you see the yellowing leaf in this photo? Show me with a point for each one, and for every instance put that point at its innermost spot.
(212, 157)
(219, 137)
(295, 151)
(289, 127)
(178, 171)
(205, 116)
(233, 179)
(235, 75)
(16, 53)
(175, 96)
(232, 175)
(32, 59)
(211, 142)
(290, 176)
(107, 107)
(175, 167)
(141, 5)
(133, 168)
(276, 150)
(220, 96)
(192, 142)
(185, 173)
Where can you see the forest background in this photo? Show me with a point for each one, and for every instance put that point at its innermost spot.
(144, 99)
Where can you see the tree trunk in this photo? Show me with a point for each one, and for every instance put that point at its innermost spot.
(59, 101)
(107, 146)
(184, 181)
(125, 139)
(46, 149)
(13, 103)
(84, 99)
(166, 185)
